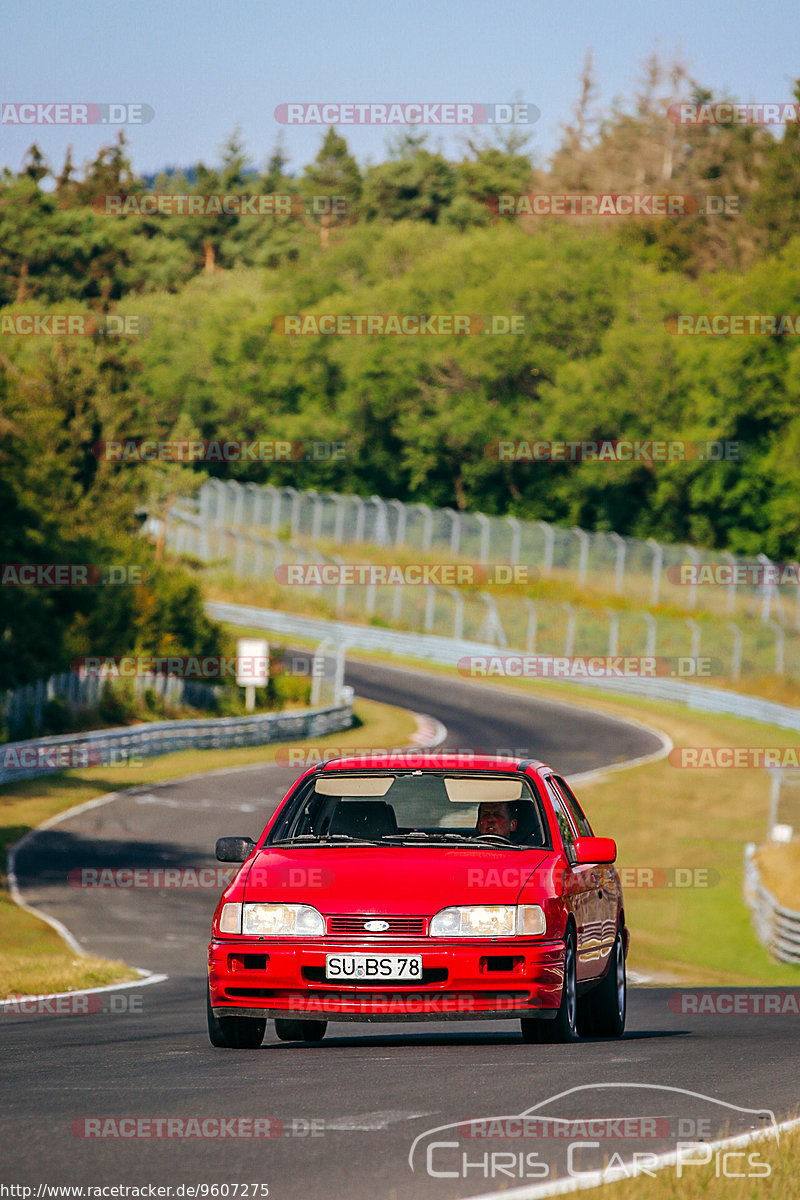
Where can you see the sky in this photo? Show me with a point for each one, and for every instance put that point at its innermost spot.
(207, 66)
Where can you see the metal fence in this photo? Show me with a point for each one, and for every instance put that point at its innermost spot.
(776, 927)
(446, 651)
(224, 532)
(24, 707)
(112, 747)
(641, 569)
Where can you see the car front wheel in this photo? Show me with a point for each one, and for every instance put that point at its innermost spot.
(565, 1027)
(234, 1033)
(602, 1011)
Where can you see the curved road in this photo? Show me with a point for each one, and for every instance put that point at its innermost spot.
(345, 1113)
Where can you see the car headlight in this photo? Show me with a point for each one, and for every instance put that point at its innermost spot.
(489, 920)
(282, 920)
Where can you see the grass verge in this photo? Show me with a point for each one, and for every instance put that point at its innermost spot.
(33, 957)
(710, 1180)
(779, 868)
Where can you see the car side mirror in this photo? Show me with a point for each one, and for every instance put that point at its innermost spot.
(595, 850)
(234, 849)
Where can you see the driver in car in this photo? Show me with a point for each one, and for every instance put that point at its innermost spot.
(495, 818)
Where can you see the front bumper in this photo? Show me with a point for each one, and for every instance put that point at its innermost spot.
(479, 980)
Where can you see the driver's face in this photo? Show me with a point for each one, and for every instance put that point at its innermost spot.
(496, 818)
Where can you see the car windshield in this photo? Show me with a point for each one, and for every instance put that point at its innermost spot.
(414, 808)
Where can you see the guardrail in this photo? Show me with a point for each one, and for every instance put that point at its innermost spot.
(447, 652)
(778, 928)
(114, 747)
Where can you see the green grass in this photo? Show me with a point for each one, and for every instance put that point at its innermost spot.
(710, 1181)
(779, 868)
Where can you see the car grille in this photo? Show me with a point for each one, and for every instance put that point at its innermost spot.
(352, 925)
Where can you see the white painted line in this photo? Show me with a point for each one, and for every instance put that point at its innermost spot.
(599, 773)
(111, 987)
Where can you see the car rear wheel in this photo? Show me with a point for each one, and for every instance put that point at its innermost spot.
(565, 1026)
(234, 1033)
(291, 1030)
(602, 1011)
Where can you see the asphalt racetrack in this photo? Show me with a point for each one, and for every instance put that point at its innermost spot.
(344, 1115)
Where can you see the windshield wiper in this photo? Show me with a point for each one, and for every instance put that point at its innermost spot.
(311, 839)
(460, 839)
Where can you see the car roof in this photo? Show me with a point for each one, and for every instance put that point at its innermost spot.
(421, 760)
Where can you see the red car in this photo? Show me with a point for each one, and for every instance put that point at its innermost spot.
(415, 887)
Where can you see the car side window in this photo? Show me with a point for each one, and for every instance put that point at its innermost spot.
(567, 833)
(578, 816)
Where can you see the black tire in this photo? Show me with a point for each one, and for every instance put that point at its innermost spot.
(234, 1033)
(602, 1011)
(565, 1026)
(290, 1029)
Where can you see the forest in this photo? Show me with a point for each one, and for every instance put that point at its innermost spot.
(184, 336)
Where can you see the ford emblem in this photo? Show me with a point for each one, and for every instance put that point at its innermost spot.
(376, 926)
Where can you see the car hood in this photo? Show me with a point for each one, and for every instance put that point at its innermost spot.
(390, 879)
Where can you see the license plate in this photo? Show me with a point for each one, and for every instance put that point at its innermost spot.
(359, 968)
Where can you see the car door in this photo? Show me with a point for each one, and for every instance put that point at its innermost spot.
(581, 885)
(603, 877)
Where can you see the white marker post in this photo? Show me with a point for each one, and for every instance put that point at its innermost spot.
(252, 667)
